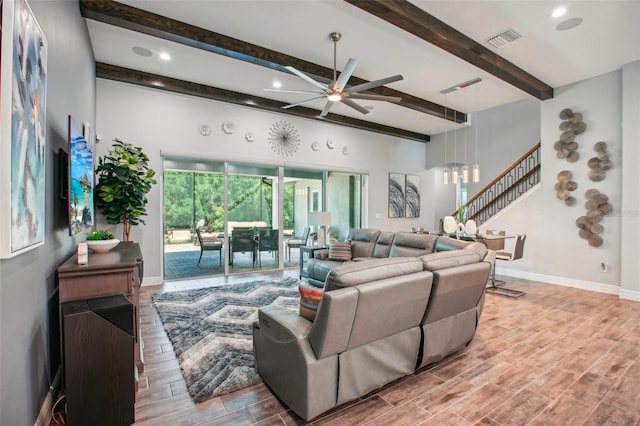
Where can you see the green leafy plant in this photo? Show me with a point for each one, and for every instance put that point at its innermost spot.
(462, 213)
(101, 234)
(124, 179)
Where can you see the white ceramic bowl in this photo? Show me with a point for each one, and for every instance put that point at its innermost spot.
(102, 246)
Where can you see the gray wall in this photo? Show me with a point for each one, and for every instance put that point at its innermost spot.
(503, 135)
(28, 296)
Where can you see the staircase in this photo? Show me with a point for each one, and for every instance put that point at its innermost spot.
(517, 179)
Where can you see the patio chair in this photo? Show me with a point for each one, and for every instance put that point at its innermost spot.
(298, 241)
(242, 241)
(215, 246)
(267, 241)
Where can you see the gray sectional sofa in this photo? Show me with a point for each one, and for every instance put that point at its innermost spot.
(378, 320)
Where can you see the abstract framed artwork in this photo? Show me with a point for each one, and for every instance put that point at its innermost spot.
(412, 196)
(23, 129)
(81, 181)
(396, 195)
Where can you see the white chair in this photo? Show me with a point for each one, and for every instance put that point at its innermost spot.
(449, 224)
(516, 253)
(471, 227)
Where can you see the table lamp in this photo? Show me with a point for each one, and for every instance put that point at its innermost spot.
(320, 220)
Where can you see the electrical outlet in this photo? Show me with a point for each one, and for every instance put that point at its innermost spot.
(603, 267)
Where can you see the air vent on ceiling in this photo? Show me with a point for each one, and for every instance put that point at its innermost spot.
(504, 38)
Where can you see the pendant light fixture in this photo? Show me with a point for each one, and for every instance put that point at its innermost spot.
(476, 166)
(445, 172)
(454, 169)
(465, 168)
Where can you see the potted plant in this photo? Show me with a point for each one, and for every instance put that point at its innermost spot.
(101, 240)
(124, 179)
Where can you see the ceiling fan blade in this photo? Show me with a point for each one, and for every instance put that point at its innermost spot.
(346, 73)
(303, 102)
(368, 97)
(354, 106)
(375, 83)
(326, 108)
(309, 92)
(308, 79)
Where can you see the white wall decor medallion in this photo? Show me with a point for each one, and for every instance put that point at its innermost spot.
(205, 130)
(249, 137)
(228, 127)
(315, 146)
(330, 144)
(345, 150)
(284, 138)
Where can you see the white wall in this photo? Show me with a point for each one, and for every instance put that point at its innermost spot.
(553, 251)
(161, 121)
(630, 208)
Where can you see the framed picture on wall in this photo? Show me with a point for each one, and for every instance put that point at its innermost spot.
(23, 130)
(412, 196)
(396, 195)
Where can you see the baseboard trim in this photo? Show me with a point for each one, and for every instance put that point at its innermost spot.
(45, 416)
(630, 295)
(566, 282)
(149, 281)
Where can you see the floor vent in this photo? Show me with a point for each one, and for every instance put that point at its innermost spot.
(504, 38)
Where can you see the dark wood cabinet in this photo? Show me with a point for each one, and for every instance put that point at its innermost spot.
(119, 271)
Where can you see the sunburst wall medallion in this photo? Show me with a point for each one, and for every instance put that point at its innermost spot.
(284, 138)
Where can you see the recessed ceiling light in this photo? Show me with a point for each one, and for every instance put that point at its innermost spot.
(558, 12)
(165, 56)
(142, 51)
(276, 84)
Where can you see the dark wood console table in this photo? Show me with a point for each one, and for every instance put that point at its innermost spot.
(119, 271)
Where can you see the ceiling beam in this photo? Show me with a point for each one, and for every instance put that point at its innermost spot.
(416, 21)
(159, 82)
(131, 18)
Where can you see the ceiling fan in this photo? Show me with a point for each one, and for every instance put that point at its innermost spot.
(337, 90)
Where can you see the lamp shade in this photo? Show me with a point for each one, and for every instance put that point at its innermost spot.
(319, 218)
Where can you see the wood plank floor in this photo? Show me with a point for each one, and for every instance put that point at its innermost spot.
(557, 356)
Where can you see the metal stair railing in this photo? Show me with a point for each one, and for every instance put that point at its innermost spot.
(516, 180)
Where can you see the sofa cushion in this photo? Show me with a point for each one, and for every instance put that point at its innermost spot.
(354, 273)
(310, 297)
(471, 253)
(383, 244)
(363, 241)
(340, 251)
(406, 244)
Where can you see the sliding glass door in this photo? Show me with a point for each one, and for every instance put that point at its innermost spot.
(260, 224)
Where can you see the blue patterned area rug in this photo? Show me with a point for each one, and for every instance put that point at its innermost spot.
(211, 331)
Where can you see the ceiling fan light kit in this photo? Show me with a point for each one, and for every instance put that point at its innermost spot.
(337, 90)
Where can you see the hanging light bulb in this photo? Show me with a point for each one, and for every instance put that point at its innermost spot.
(465, 174)
(476, 173)
(445, 176)
(454, 174)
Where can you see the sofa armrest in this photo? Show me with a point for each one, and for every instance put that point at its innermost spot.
(321, 254)
(282, 325)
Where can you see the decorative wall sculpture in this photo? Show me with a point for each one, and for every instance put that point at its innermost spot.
(600, 163)
(567, 147)
(565, 186)
(284, 138)
(597, 207)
